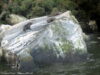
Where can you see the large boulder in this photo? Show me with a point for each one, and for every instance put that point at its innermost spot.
(45, 40)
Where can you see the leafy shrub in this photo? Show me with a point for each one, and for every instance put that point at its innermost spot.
(38, 11)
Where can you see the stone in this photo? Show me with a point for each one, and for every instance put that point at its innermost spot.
(93, 25)
(1, 53)
(45, 43)
(14, 19)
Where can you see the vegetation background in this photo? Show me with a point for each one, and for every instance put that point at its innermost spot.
(84, 10)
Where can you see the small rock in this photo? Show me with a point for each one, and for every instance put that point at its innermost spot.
(98, 38)
(14, 19)
(1, 53)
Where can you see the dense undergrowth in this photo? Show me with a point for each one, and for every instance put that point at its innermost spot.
(84, 10)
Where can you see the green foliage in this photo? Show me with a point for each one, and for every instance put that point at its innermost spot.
(14, 8)
(82, 15)
(35, 8)
(38, 11)
(47, 5)
(31, 8)
(28, 7)
(25, 5)
(65, 5)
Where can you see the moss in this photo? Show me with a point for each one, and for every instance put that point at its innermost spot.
(66, 46)
(45, 47)
(59, 31)
(58, 28)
